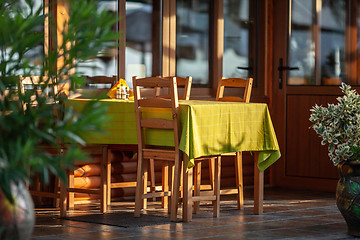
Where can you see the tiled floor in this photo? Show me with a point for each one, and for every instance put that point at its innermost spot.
(287, 215)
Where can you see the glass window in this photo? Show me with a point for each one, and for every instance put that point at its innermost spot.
(35, 54)
(237, 24)
(139, 39)
(106, 63)
(317, 42)
(192, 40)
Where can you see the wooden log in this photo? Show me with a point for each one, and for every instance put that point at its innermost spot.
(123, 167)
(88, 170)
(87, 182)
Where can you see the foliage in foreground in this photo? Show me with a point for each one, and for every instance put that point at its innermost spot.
(29, 119)
(339, 126)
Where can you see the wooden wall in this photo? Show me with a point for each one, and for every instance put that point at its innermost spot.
(123, 169)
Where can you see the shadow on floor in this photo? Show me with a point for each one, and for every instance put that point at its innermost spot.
(288, 214)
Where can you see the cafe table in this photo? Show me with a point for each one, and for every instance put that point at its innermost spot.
(208, 128)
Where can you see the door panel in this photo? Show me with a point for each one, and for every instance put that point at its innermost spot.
(305, 155)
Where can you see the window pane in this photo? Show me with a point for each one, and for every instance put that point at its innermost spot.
(332, 25)
(106, 64)
(34, 53)
(236, 38)
(139, 37)
(192, 40)
(317, 42)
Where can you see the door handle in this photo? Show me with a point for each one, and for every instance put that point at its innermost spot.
(245, 68)
(249, 68)
(282, 68)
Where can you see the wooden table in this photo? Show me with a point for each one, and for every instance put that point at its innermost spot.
(208, 128)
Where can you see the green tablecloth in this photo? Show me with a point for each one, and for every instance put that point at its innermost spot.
(208, 128)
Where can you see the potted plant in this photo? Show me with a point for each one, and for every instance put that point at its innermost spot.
(32, 118)
(339, 126)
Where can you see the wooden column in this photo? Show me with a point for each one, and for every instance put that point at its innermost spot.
(218, 44)
(169, 38)
(122, 40)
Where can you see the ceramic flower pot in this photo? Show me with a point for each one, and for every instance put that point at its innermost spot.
(17, 220)
(348, 196)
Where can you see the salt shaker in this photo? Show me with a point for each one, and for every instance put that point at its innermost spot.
(118, 93)
(127, 93)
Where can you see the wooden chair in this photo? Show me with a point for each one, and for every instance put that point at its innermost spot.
(191, 202)
(180, 82)
(170, 155)
(67, 192)
(52, 189)
(42, 86)
(95, 86)
(246, 84)
(100, 82)
(38, 86)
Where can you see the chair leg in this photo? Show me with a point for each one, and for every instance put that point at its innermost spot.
(108, 177)
(197, 184)
(103, 183)
(165, 183)
(175, 187)
(63, 200)
(56, 201)
(216, 204)
(71, 195)
(139, 185)
(239, 180)
(171, 176)
(212, 171)
(145, 184)
(152, 177)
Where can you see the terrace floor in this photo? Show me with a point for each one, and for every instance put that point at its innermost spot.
(288, 214)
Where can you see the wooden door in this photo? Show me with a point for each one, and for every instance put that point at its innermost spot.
(313, 40)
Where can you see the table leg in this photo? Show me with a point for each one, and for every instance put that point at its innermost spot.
(187, 190)
(258, 186)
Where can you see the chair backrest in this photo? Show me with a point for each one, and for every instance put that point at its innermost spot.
(146, 103)
(236, 83)
(94, 86)
(100, 81)
(180, 81)
(37, 84)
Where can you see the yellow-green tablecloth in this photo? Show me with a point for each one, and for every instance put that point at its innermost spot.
(208, 128)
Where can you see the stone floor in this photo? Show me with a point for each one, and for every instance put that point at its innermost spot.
(288, 214)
